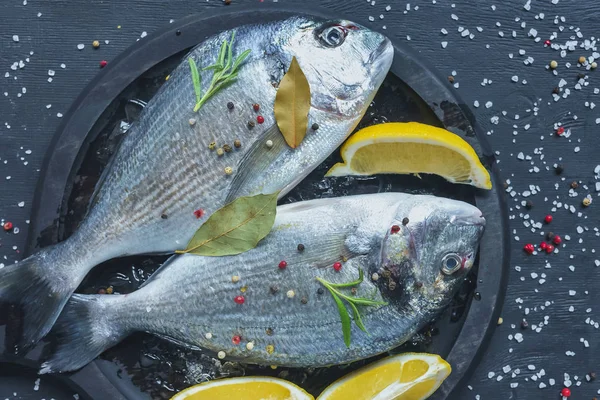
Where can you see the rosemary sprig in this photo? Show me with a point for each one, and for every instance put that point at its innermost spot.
(352, 301)
(225, 71)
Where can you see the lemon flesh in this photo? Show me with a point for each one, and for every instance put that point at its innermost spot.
(411, 148)
(410, 376)
(246, 388)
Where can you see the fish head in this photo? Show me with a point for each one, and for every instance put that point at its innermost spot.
(344, 63)
(431, 247)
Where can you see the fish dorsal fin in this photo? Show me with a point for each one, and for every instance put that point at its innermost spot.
(159, 271)
(256, 160)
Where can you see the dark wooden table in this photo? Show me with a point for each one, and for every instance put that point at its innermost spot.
(500, 69)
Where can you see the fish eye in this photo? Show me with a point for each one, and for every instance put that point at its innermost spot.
(333, 36)
(451, 263)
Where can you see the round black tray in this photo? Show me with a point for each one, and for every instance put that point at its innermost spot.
(76, 135)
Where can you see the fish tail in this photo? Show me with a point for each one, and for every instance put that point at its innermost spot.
(83, 331)
(34, 285)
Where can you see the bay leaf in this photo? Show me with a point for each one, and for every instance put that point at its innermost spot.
(292, 103)
(236, 227)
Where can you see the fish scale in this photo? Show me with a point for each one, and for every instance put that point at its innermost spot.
(192, 296)
(164, 166)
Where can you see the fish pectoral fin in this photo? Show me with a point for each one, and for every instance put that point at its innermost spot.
(324, 252)
(257, 159)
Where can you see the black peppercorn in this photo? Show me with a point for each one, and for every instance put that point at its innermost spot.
(559, 169)
(274, 289)
(405, 221)
(418, 285)
(300, 247)
(251, 124)
(164, 216)
(524, 324)
(269, 331)
(320, 290)
(556, 90)
(178, 32)
(529, 204)
(304, 300)
(549, 236)
(230, 105)
(592, 376)
(315, 126)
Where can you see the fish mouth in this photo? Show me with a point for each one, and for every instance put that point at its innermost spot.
(381, 58)
(470, 217)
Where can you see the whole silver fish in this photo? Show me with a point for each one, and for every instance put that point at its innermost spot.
(164, 170)
(420, 246)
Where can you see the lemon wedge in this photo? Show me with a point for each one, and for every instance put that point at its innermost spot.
(246, 388)
(411, 148)
(409, 376)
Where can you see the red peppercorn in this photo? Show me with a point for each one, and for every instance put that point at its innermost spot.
(236, 339)
(566, 392)
(239, 299)
(256, 107)
(103, 64)
(395, 229)
(560, 130)
(260, 119)
(199, 213)
(547, 42)
(557, 240)
(529, 249)
(282, 265)
(548, 219)
(549, 248)
(8, 226)
(337, 266)
(543, 245)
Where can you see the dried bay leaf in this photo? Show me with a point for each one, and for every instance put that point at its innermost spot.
(236, 227)
(292, 103)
